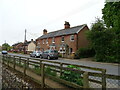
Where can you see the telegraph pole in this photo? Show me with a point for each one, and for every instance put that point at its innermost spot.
(25, 42)
(25, 35)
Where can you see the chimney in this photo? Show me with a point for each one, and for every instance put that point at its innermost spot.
(44, 32)
(66, 25)
(31, 40)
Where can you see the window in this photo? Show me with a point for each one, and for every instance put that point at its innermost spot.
(47, 41)
(53, 40)
(43, 41)
(62, 39)
(72, 38)
(62, 50)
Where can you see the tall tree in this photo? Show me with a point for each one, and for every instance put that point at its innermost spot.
(111, 17)
(6, 46)
(111, 14)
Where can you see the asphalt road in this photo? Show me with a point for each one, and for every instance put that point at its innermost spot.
(111, 68)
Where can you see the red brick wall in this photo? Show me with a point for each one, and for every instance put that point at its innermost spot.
(82, 39)
(72, 44)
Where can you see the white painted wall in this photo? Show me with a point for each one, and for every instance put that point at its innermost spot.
(31, 46)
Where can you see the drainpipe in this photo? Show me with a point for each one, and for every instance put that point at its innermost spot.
(77, 43)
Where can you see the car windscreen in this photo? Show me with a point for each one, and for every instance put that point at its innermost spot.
(54, 51)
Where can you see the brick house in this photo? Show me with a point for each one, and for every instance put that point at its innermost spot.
(18, 47)
(66, 40)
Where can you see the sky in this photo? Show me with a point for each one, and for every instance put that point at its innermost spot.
(36, 15)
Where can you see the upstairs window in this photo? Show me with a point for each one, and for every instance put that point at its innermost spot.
(72, 38)
(62, 39)
(43, 41)
(53, 40)
(47, 41)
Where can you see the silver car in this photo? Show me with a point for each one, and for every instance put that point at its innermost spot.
(4, 52)
(50, 54)
(35, 54)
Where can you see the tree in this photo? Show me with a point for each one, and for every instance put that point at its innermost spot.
(111, 17)
(111, 14)
(101, 39)
(6, 46)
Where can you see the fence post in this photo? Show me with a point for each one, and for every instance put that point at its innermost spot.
(14, 62)
(42, 76)
(19, 60)
(61, 65)
(8, 61)
(3, 59)
(40, 65)
(24, 67)
(85, 80)
(103, 79)
(27, 62)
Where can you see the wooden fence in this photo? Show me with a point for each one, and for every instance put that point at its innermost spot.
(88, 74)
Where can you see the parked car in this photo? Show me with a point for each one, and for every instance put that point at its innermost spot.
(35, 54)
(4, 52)
(50, 54)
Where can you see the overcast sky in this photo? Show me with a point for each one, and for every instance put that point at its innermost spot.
(36, 15)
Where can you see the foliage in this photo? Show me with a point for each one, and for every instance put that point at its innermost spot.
(37, 69)
(49, 71)
(103, 40)
(111, 14)
(84, 53)
(6, 46)
(72, 76)
(60, 55)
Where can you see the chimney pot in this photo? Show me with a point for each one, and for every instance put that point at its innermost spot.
(44, 32)
(66, 25)
(31, 39)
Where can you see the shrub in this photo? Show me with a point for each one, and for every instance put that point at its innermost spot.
(60, 55)
(49, 71)
(84, 53)
(72, 76)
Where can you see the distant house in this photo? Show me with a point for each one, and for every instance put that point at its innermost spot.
(0, 48)
(66, 40)
(30, 46)
(18, 47)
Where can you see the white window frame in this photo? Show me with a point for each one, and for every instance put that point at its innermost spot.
(47, 41)
(72, 37)
(43, 41)
(62, 50)
(53, 40)
(62, 39)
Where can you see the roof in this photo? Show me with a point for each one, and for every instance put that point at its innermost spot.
(17, 43)
(72, 30)
(28, 42)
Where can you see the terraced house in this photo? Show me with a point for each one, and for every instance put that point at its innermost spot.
(66, 40)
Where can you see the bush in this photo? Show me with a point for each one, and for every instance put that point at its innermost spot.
(60, 55)
(84, 53)
(49, 71)
(72, 76)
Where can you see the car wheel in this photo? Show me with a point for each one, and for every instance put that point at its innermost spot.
(48, 57)
(56, 58)
(40, 57)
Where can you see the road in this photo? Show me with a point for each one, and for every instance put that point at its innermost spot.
(110, 67)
